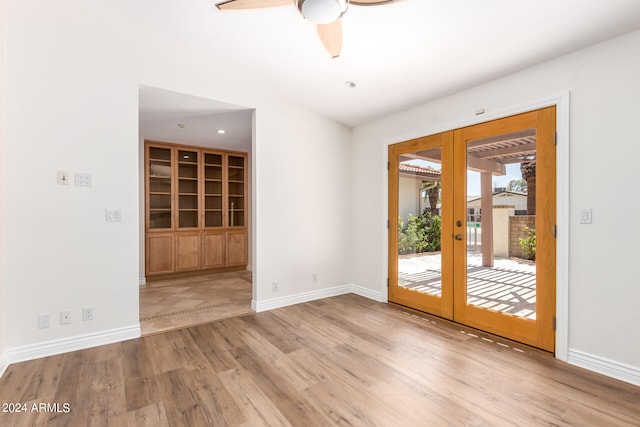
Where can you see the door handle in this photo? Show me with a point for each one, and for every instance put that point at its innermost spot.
(458, 236)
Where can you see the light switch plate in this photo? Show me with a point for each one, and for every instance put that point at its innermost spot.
(113, 215)
(585, 216)
(43, 320)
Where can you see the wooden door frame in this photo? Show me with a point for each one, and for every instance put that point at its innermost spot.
(561, 102)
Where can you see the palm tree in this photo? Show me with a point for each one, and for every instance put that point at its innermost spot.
(431, 191)
(528, 170)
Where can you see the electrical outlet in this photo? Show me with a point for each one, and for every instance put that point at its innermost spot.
(87, 313)
(65, 317)
(275, 287)
(82, 179)
(43, 320)
(314, 278)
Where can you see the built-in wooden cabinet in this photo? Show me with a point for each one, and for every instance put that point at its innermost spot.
(195, 203)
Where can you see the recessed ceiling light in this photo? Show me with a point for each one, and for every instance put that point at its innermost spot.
(220, 131)
(349, 83)
(182, 125)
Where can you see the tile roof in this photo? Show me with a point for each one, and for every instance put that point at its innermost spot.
(421, 171)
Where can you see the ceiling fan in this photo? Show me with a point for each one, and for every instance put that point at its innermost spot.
(325, 14)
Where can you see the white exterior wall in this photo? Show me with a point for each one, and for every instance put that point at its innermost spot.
(603, 289)
(518, 202)
(73, 72)
(501, 231)
(409, 197)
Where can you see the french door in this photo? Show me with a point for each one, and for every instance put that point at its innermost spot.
(472, 226)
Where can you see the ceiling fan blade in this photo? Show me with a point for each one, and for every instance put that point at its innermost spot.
(251, 4)
(369, 2)
(331, 37)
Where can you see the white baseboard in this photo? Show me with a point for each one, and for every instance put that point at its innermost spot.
(142, 281)
(78, 342)
(608, 367)
(4, 364)
(368, 293)
(274, 303)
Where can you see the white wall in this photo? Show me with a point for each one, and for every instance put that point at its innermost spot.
(604, 109)
(3, 310)
(73, 72)
(303, 202)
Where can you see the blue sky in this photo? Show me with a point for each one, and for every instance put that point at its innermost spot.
(473, 179)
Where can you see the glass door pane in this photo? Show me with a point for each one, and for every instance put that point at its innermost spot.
(236, 202)
(212, 190)
(419, 222)
(501, 223)
(159, 190)
(187, 189)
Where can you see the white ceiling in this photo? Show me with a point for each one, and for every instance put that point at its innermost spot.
(400, 54)
(161, 111)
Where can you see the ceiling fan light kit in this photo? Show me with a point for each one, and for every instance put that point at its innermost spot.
(322, 11)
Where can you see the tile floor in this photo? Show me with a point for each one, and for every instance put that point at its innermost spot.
(177, 303)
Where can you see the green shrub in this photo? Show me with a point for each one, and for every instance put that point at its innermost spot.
(528, 244)
(405, 245)
(421, 234)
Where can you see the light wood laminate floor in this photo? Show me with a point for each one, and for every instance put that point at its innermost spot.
(170, 304)
(344, 360)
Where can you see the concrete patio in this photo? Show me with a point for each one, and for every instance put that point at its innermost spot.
(509, 286)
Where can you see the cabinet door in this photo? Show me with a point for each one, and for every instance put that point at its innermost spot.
(213, 190)
(236, 191)
(236, 247)
(213, 249)
(159, 189)
(159, 253)
(188, 194)
(187, 251)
